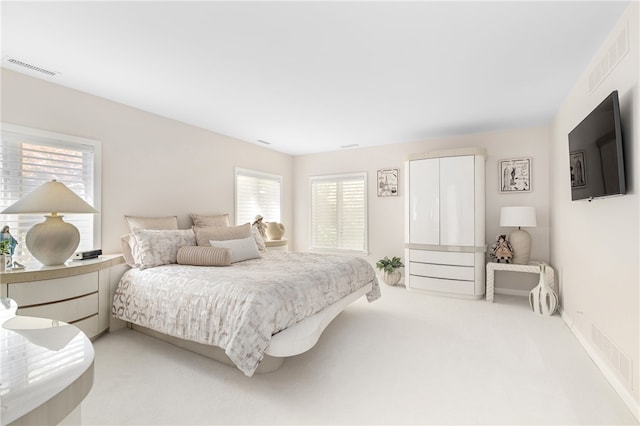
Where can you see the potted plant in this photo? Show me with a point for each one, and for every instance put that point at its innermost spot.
(389, 268)
(5, 253)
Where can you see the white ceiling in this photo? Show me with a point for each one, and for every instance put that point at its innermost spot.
(314, 76)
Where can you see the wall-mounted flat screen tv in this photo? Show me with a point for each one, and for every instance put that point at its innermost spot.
(596, 157)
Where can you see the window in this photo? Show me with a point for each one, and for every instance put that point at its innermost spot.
(257, 193)
(29, 158)
(339, 212)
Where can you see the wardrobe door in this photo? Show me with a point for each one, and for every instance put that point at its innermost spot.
(424, 202)
(457, 201)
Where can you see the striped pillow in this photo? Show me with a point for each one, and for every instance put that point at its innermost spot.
(204, 256)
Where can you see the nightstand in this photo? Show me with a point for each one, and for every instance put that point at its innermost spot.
(77, 292)
(277, 245)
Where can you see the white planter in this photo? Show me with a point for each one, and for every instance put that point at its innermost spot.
(391, 278)
(542, 299)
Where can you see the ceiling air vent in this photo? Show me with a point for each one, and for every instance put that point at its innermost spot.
(31, 67)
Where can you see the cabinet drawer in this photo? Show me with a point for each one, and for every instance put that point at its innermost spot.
(46, 291)
(441, 285)
(67, 311)
(441, 257)
(89, 326)
(465, 273)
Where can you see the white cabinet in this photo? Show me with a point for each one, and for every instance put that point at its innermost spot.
(77, 292)
(444, 228)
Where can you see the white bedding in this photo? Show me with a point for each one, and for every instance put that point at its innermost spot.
(239, 307)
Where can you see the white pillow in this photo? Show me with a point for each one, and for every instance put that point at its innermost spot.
(160, 247)
(242, 249)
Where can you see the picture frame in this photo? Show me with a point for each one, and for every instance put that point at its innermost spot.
(515, 175)
(388, 182)
(578, 169)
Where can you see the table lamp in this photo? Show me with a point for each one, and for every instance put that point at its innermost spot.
(520, 239)
(53, 241)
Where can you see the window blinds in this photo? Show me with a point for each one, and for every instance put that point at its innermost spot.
(339, 212)
(28, 161)
(257, 193)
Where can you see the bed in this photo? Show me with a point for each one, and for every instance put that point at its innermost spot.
(256, 312)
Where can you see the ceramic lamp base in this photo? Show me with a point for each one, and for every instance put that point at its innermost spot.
(521, 244)
(53, 241)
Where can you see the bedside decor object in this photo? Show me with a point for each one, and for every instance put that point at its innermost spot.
(53, 241)
(389, 268)
(260, 226)
(388, 183)
(520, 239)
(275, 231)
(542, 299)
(5, 255)
(515, 175)
(501, 251)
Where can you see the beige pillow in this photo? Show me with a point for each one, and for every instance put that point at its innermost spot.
(127, 244)
(155, 247)
(140, 222)
(216, 220)
(221, 233)
(204, 256)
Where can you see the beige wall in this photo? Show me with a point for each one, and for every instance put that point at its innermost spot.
(594, 245)
(151, 165)
(386, 215)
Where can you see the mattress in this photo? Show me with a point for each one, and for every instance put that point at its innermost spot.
(239, 307)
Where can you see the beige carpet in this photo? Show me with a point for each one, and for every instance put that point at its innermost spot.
(407, 358)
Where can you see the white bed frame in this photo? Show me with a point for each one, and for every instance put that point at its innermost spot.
(292, 341)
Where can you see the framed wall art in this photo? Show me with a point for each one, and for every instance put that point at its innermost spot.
(578, 169)
(388, 182)
(515, 175)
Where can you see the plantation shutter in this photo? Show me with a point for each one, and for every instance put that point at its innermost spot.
(339, 212)
(257, 193)
(29, 160)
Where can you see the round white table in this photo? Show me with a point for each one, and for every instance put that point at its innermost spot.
(46, 369)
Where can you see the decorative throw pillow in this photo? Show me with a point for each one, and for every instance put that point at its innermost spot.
(221, 233)
(216, 220)
(241, 249)
(160, 247)
(140, 222)
(204, 256)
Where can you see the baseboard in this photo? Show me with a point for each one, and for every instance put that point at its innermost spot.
(611, 377)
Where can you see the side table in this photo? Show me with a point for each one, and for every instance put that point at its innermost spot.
(277, 245)
(533, 268)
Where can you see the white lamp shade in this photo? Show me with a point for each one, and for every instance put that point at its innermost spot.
(518, 217)
(50, 197)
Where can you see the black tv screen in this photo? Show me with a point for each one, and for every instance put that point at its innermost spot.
(596, 154)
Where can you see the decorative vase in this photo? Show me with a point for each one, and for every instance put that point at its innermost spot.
(391, 278)
(275, 230)
(542, 299)
(3, 263)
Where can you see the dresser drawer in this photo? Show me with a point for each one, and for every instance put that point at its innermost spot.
(67, 311)
(465, 273)
(441, 285)
(46, 291)
(441, 257)
(89, 326)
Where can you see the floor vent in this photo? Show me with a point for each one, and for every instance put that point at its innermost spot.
(619, 361)
(31, 67)
(610, 58)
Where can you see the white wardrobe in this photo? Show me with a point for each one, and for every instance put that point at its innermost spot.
(444, 222)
